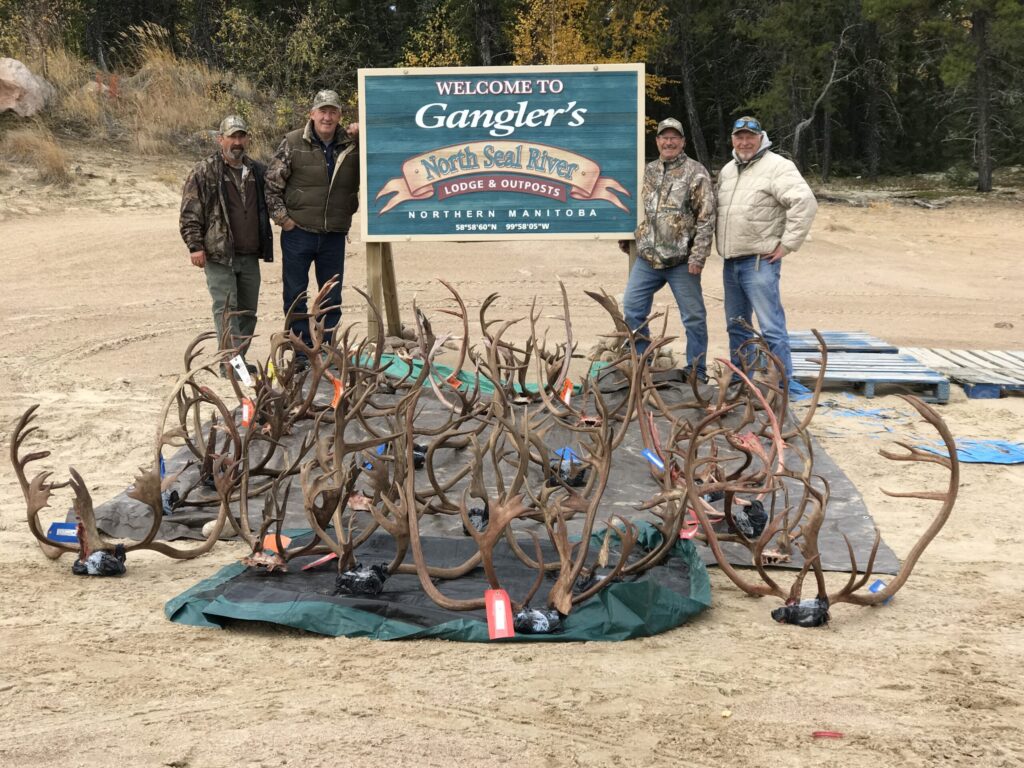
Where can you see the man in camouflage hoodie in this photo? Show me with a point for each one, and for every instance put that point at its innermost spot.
(226, 226)
(673, 242)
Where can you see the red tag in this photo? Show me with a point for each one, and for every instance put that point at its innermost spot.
(248, 408)
(691, 526)
(453, 381)
(566, 393)
(325, 559)
(339, 388)
(499, 614)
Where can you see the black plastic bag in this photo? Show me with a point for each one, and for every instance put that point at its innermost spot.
(363, 580)
(806, 613)
(533, 621)
(478, 517)
(101, 563)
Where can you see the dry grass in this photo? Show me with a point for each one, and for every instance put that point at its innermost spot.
(37, 147)
(163, 105)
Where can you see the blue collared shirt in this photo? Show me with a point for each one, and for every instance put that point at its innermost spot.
(330, 152)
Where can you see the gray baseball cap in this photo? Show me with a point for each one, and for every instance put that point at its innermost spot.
(233, 124)
(670, 122)
(326, 99)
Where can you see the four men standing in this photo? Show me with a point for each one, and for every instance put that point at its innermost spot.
(764, 211)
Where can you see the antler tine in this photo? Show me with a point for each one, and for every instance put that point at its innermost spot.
(37, 491)
(463, 316)
(701, 508)
(627, 536)
(948, 499)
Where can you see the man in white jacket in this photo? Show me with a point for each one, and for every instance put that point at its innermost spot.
(765, 210)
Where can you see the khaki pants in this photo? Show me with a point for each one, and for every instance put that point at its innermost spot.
(236, 288)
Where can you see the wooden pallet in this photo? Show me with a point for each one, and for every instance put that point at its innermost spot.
(867, 370)
(982, 373)
(839, 341)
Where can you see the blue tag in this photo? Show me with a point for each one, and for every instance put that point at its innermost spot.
(380, 452)
(567, 454)
(652, 457)
(65, 533)
(877, 586)
(163, 468)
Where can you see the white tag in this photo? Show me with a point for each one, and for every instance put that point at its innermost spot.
(238, 363)
(499, 615)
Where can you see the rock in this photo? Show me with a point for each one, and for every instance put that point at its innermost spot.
(22, 91)
(1004, 324)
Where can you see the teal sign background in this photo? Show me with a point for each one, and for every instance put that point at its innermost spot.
(501, 153)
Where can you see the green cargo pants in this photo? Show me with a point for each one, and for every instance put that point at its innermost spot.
(236, 288)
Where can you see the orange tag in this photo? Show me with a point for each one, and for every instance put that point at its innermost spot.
(248, 409)
(453, 381)
(339, 388)
(566, 393)
(499, 614)
(270, 542)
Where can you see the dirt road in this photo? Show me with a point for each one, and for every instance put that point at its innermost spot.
(97, 305)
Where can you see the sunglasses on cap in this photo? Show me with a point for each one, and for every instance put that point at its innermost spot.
(746, 125)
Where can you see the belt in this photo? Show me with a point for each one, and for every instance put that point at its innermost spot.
(745, 257)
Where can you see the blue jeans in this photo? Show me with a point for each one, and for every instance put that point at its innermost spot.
(644, 282)
(299, 249)
(752, 288)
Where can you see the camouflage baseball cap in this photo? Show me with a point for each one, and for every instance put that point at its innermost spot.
(233, 124)
(670, 122)
(326, 99)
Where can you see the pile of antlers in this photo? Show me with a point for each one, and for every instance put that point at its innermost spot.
(355, 431)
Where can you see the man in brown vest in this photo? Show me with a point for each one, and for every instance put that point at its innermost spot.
(225, 224)
(312, 193)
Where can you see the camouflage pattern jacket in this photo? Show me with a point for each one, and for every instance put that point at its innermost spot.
(203, 221)
(679, 208)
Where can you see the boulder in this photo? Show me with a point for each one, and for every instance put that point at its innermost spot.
(21, 90)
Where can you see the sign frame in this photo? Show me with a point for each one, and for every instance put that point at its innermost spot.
(368, 197)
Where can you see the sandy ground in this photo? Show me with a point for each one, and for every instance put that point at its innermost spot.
(98, 302)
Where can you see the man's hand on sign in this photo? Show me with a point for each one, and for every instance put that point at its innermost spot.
(353, 130)
(198, 259)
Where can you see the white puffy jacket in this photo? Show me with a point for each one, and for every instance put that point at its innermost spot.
(762, 203)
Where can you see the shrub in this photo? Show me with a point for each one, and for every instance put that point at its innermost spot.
(37, 147)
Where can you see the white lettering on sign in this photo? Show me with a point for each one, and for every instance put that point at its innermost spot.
(501, 122)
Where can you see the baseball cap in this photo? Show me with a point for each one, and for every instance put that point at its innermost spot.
(233, 124)
(670, 122)
(747, 123)
(326, 99)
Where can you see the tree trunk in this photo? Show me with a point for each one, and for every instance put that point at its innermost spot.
(872, 118)
(826, 145)
(983, 139)
(696, 138)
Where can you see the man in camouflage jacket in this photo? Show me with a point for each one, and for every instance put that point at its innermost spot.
(226, 226)
(673, 242)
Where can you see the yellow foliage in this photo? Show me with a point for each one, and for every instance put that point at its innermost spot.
(436, 41)
(577, 32)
